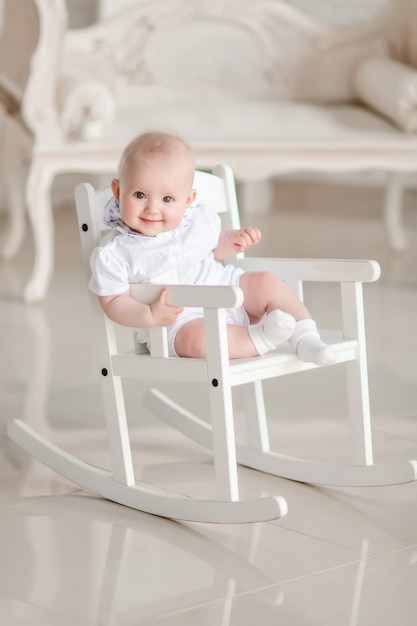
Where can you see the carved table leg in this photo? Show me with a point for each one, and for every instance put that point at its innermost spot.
(256, 197)
(12, 155)
(394, 211)
(38, 202)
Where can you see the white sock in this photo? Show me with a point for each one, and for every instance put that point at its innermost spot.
(307, 343)
(273, 330)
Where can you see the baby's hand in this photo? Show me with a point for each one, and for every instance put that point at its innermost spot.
(244, 238)
(164, 314)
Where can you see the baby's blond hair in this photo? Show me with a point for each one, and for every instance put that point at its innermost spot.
(155, 144)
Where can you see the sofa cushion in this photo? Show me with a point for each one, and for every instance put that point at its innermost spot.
(262, 123)
(390, 88)
(327, 75)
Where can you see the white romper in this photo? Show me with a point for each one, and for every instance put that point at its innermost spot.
(181, 256)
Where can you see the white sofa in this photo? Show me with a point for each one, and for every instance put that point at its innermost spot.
(258, 85)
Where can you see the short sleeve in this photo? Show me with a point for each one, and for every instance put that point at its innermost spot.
(109, 272)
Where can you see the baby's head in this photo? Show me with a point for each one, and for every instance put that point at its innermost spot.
(159, 148)
(154, 187)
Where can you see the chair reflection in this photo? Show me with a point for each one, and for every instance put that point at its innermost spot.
(57, 531)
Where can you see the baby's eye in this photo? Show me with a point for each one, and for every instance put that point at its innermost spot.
(140, 195)
(168, 198)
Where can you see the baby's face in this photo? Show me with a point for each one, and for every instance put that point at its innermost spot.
(154, 194)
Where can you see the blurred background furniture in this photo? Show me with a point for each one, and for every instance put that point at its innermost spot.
(265, 88)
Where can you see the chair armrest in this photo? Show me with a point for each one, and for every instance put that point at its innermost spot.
(207, 297)
(320, 270)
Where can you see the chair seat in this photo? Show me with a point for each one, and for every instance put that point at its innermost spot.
(281, 361)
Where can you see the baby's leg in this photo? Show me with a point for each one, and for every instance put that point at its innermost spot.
(277, 315)
(264, 292)
(275, 328)
(190, 339)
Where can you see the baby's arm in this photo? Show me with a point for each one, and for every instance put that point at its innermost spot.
(127, 311)
(233, 241)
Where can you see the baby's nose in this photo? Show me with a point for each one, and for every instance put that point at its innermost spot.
(151, 205)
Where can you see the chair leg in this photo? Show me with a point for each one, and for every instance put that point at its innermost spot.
(221, 407)
(114, 408)
(293, 468)
(357, 375)
(256, 421)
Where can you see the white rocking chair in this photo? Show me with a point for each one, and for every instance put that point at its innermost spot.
(220, 375)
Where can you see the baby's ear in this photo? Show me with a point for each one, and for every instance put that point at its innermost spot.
(192, 196)
(115, 187)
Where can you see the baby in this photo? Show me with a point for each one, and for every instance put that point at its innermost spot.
(161, 234)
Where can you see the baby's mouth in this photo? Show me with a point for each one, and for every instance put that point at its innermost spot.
(150, 222)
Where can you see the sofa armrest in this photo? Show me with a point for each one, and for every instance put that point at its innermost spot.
(85, 104)
(390, 88)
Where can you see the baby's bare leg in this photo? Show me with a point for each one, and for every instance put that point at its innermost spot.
(263, 293)
(287, 318)
(266, 293)
(190, 341)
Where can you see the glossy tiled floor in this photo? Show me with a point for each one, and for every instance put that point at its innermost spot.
(341, 557)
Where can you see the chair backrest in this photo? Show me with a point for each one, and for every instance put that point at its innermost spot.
(216, 189)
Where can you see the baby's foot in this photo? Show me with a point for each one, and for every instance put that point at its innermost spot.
(307, 343)
(273, 330)
(311, 349)
(278, 326)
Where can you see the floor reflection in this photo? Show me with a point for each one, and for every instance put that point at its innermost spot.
(118, 548)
